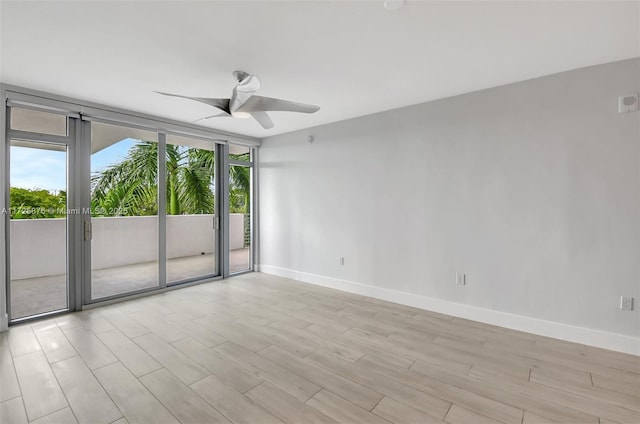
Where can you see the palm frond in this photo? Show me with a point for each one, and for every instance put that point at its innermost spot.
(194, 191)
(132, 184)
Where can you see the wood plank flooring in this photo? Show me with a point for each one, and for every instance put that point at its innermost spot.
(263, 349)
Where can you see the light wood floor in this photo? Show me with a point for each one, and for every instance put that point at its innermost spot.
(262, 349)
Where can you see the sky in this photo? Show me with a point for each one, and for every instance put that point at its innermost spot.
(46, 169)
(38, 169)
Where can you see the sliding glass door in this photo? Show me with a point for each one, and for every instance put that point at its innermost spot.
(153, 219)
(98, 210)
(240, 207)
(191, 224)
(38, 224)
(124, 226)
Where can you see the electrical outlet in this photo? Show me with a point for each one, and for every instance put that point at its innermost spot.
(628, 103)
(626, 303)
(341, 260)
(461, 279)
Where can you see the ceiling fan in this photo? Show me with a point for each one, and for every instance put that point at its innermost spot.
(245, 104)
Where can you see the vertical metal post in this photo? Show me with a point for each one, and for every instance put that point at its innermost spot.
(162, 210)
(73, 220)
(255, 213)
(84, 176)
(224, 208)
(217, 246)
(5, 289)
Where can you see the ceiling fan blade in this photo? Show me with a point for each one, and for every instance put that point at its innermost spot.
(266, 104)
(222, 104)
(219, 115)
(263, 119)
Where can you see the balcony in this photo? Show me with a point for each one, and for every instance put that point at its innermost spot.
(124, 256)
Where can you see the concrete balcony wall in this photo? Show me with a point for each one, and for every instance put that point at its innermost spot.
(123, 241)
(236, 231)
(38, 246)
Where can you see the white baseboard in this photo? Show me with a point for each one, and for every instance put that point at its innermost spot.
(587, 336)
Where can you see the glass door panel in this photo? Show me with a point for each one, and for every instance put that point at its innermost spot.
(37, 228)
(124, 210)
(191, 205)
(240, 177)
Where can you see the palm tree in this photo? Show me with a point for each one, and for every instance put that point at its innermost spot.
(130, 187)
(239, 193)
(239, 189)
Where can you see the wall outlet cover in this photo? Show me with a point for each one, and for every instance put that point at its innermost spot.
(628, 103)
(626, 303)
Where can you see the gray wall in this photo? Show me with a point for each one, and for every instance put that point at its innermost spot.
(531, 189)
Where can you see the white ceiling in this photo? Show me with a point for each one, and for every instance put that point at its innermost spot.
(351, 58)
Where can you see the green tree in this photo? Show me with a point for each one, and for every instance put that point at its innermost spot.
(130, 186)
(37, 203)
